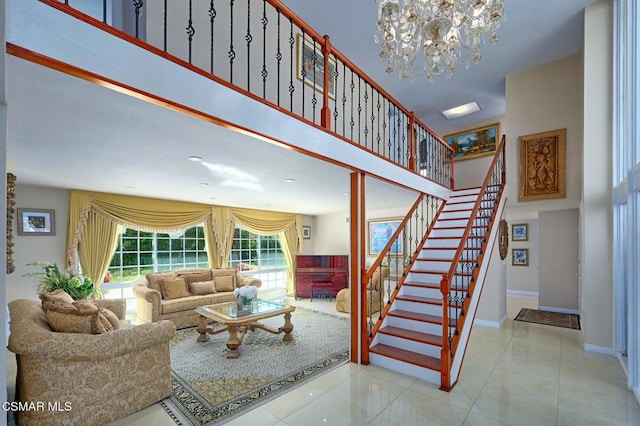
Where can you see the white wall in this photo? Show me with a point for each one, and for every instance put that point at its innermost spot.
(596, 209)
(523, 278)
(35, 248)
(492, 307)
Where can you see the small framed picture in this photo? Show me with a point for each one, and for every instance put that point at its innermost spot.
(520, 232)
(306, 232)
(36, 222)
(520, 257)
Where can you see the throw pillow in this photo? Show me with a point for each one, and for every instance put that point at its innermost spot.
(58, 295)
(111, 317)
(202, 287)
(224, 283)
(77, 317)
(174, 288)
(192, 278)
(155, 279)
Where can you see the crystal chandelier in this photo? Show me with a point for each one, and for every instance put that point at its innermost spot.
(448, 33)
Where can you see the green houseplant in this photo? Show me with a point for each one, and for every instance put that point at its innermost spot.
(50, 277)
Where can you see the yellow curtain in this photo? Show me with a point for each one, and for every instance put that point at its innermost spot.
(263, 222)
(289, 241)
(79, 206)
(99, 241)
(222, 226)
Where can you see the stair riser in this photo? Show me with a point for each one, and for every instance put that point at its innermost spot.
(433, 243)
(472, 191)
(421, 326)
(421, 373)
(437, 254)
(459, 205)
(456, 215)
(455, 232)
(433, 279)
(432, 265)
(422, 308)
(410, 290)
(459, 222)
(410, 345)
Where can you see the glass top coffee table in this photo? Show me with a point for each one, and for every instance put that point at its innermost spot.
(238, 322)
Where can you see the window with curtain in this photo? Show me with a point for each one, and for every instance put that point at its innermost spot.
(139, 253)
(259, 256)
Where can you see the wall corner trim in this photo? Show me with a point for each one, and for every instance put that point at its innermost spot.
(598, 349)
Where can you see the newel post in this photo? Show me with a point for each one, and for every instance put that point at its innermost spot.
(504, 159)
(325, 113)
(445, 353)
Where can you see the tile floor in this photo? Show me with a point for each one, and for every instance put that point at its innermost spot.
(521, 374)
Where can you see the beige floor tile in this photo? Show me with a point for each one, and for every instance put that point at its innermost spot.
(507, 381)
(474, 419)
(330, 410)
(389, 376)
(512, 409)
(368, 392)
(336, 376)
(588, 407)
(257, 416)
(412, 408)
(292, 401)
(458, 395)
(595, 381)
(152, 415)
(382, 421)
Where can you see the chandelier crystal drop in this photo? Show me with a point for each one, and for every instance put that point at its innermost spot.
(446, 33)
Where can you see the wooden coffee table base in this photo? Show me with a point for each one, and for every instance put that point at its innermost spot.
(237, 332)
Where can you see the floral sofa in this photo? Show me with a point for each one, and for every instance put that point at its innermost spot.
(85, 378)
(175, 295)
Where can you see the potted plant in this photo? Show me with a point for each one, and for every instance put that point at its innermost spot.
(50, 277)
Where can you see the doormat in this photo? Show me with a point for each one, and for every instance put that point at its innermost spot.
(555, 319)
(210, 389)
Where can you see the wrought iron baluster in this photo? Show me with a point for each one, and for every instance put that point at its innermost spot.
(248, 38)
(278, 58)
(291, 60)
(190, 30)
(344, 99)
(232, 53)
(264, 72)
(359, 110)
(137, 5)
(104, 11)
(352, 122)
(336, 74)
(385, 113)
(366, 112)
(314, 100)
(378, 130)
(164, 24)
(212, 19)
(302, 68)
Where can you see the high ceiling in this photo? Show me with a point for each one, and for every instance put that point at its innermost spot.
(65, 132)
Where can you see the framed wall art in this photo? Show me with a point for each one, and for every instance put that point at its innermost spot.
(313, 74)
(380, 231)
(474, 143)
(520, 257)
(306, 232)
(520, 232)
(36, 222)
(542, 166)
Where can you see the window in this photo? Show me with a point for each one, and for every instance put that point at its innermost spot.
(139, 253)
(259, 256)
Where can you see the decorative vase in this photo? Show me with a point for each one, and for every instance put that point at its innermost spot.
(246, 302)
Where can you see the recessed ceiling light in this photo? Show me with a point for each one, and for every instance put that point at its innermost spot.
(212, 198)
(345, 193)
(130, 187)
(195, 158)
(461, 110)
(385, 202)
(289, 180)
(204, 184)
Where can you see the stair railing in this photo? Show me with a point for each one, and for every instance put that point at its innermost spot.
(397, 255)
(262, 49)
(458, 283)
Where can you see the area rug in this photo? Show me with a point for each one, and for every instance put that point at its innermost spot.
(549, 318)
(209, 389)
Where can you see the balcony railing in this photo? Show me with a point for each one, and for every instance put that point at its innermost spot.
(264, 50)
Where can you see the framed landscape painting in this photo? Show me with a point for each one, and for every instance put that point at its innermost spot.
(380, 231)
(474, 143)
(36, 222)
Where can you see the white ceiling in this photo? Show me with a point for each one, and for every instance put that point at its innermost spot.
(65, 132)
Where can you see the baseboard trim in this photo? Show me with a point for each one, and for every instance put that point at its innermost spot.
(487, 323)
(603, 350)
(522, 293)
(636, 392)
(559, 310)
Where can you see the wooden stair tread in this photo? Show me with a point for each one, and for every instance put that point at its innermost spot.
(414, 358)
(417, 336)
(420, 299)
(435, 286)
(434, 319)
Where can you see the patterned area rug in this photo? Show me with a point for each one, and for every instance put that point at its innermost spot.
(209, 389)
(549, 318)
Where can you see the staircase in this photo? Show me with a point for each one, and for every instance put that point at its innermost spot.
(410, 337)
